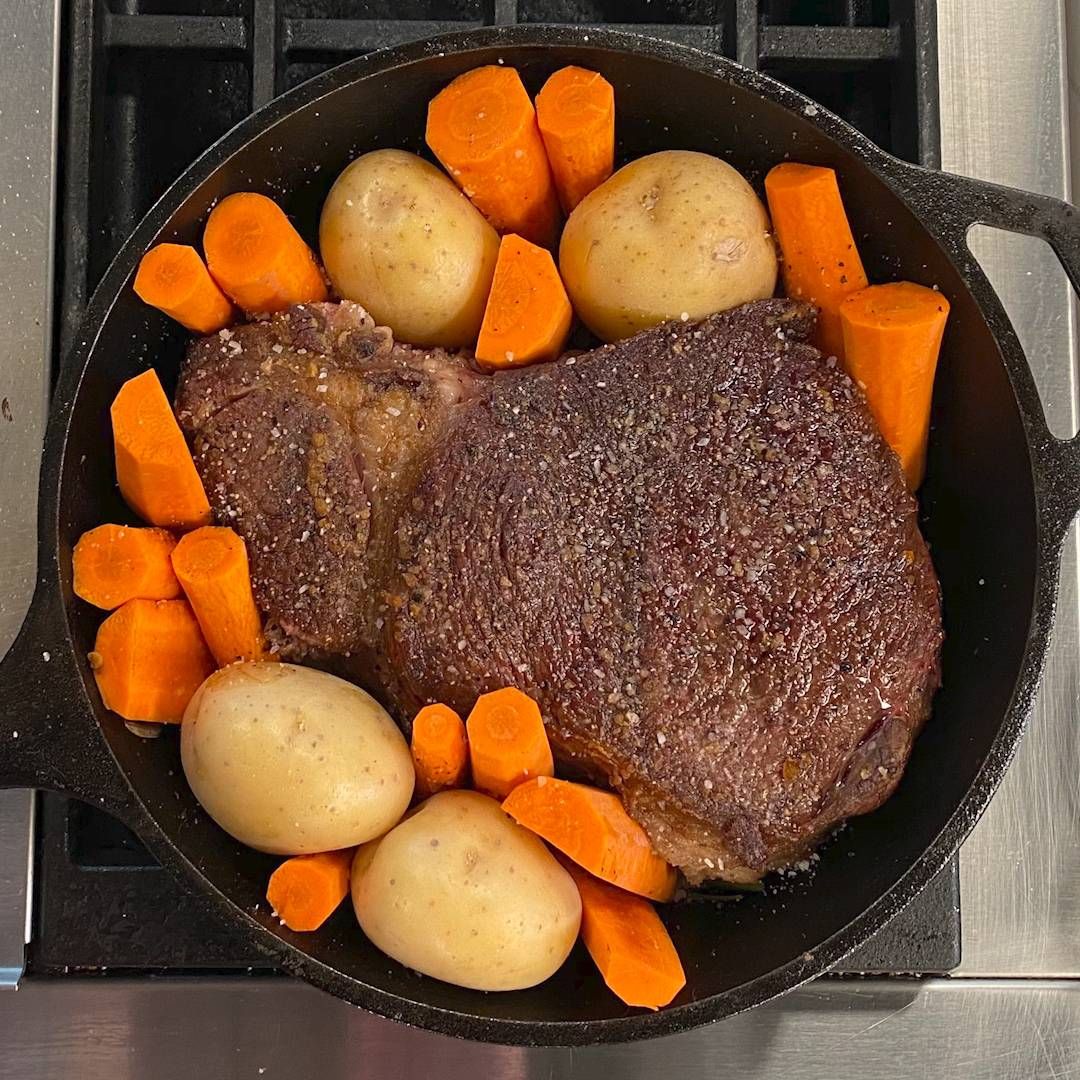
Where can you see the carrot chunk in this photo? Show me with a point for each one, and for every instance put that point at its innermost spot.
(153, 464)
(593, 828)
(257, 257)
(211, 564)
(892, 337)
(116, 563)
(528, 313)
(819, 260)
(482, 127)
(507, 742)
(628, 943)
(440, 751)
(575, 111)
(305, 891)
(149, 658)
(174, 279)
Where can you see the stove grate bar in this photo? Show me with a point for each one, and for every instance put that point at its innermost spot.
(170, 32)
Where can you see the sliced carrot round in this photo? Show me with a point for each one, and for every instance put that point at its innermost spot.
(820, 261)
(576, 114)
(116, 563)
(482, 127)
(439, 750)
(305, 891)
(593, 828)
(257, 257)
(507, 742)
(485, 111)
(154, 468)
(528, 313)
(211, 564)
(892, 338)
(149, 659)
(174, 279)
(628, 943)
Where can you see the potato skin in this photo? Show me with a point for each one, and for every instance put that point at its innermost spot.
(460, 892)
(291, 760)
(672, 233)
(399, 238)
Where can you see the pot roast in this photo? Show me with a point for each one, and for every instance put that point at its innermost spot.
(692, 547)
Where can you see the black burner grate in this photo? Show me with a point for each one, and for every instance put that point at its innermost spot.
(149, 84)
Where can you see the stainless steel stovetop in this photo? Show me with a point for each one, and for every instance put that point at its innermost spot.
(1012, 1009)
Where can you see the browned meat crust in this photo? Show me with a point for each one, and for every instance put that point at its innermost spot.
(693, 547)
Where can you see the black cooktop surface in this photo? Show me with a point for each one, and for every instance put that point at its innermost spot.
(149, 84)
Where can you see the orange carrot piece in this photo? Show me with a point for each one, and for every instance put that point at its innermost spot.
(892, 337)
(507, 742)
(628, 943)
(593, 828)
(482, 127)
(257, 257)
(153, 464)
(212, 566)
(305, 891)
(174, 279)
(528, 313)
(819, 260)
(575, 111)
(440, 751)
(116, 563)
(149, 659)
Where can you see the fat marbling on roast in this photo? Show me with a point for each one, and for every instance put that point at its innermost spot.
(692, 547)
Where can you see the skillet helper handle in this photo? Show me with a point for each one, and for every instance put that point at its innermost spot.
(963, 202)
(966, 202)
(49, 735)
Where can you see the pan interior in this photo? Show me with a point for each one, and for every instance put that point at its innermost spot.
(978, 503)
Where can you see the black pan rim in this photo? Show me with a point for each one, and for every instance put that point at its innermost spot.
(902, 178)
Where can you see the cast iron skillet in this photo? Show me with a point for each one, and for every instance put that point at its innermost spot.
(1000, 495)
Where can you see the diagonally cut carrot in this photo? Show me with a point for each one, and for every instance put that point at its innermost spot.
(305, 891)
(174, 279)
(507, 742)
(211, 564)
(528, 313)
(820, 262)
(440, 752)
(892, 337)
(575, 111)
(592, 828)
(482, 127)
(257, 257)
(153, 464)
(116, 563)
(628, 943)
(149, 658)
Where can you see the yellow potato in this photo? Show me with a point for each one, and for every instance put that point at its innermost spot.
(461, 892)
(399, 238)
(673, 235)
(291, 760)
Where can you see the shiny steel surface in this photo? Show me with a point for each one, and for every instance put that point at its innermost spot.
(1003, 118)
(116, 1029)
(29, 37)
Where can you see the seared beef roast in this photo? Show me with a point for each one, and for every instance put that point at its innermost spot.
(692, 547)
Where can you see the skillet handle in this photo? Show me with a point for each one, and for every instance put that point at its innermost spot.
(961, 202)
(49, 736)
(964, 201)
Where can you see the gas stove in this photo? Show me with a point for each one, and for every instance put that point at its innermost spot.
(101, 939)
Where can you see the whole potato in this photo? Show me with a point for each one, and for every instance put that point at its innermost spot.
(461, 892)
(676, 234)
(399, 238)
(291, 760)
